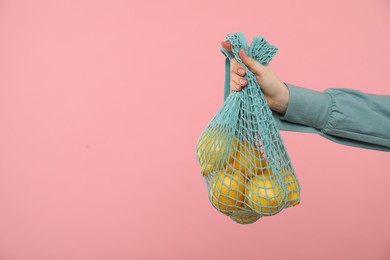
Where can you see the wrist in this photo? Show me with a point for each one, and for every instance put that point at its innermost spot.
(280, 102)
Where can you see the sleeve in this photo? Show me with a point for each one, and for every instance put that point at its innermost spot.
(345, 116)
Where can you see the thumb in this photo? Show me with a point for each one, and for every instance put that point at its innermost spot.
(252, 64)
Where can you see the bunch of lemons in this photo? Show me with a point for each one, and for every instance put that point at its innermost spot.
(240, 179)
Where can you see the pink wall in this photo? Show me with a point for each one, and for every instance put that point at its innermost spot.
(101, 105)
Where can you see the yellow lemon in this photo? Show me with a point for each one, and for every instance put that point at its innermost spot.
(292, 186)
(214, 150)
(248, 159)
(227, 190)
(245, 217)
(267, 172)
(264, 195)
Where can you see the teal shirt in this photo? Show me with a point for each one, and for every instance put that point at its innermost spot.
(345, 116)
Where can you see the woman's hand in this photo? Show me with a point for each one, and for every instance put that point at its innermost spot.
(275, 90)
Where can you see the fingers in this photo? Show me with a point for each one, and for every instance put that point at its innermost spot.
(237, 72)
(252, 64)
(226, 45)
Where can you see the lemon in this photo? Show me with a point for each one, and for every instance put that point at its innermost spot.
(227, 189)
(264, 195)
(245, 217)
(215, 149)
(248, 159)
(292, 186)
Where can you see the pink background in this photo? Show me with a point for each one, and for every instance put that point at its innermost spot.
(101, 105)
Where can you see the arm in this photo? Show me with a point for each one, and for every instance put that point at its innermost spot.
(345, 116)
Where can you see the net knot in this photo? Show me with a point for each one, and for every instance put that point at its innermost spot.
(260, 49)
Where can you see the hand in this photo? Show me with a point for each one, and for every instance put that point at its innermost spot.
(275, 90)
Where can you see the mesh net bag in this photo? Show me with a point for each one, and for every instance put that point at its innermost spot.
(243, 160)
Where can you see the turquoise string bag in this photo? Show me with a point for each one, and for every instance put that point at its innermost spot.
(242, 157)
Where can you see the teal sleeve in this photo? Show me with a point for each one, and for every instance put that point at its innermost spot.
(345, 116)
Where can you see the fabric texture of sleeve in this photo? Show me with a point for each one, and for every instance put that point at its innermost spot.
(345, 116)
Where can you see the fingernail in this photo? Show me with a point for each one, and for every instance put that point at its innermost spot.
(241, 71)
(242, 51)
(237, 87)
(242, 81)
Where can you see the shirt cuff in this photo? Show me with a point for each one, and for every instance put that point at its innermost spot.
(307, 107)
